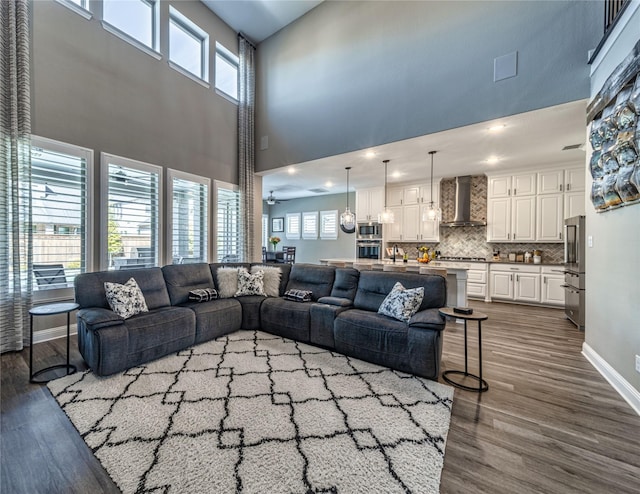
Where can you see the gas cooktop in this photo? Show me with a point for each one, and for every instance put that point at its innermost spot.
(453, 258)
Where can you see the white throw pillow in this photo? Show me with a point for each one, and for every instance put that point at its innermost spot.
(250, 284)
(402, 303)
(125, 300)
(271, 279)
(227, 282)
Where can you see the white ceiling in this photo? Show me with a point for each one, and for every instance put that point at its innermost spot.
(527, 141)
(259, 19)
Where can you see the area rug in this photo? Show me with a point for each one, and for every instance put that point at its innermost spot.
(252, 412)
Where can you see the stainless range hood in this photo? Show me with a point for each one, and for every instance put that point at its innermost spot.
(463, 205)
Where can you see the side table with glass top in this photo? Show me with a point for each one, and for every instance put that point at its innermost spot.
(475, 316)
(50, 310)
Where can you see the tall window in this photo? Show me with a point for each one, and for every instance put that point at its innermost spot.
(265, 230)
(137, 19)
(292, 227)
(130, 213)
(227, 72)
(227, 223)
(189, 217)
(78, 6)
(188, 45)
(329, 225)
(310, 225)
(60, 212)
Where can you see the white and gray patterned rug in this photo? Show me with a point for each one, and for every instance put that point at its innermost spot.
(252, 412)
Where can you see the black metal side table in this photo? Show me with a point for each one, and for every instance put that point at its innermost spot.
(50, 310)
(476, 316)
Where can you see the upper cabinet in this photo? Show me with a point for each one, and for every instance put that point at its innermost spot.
(408, 204)
(531, 207)
(523, 184)
(369, 202)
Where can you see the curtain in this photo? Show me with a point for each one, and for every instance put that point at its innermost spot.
(15, 175)
(246, 145)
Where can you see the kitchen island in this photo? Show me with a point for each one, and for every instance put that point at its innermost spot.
(456, 275)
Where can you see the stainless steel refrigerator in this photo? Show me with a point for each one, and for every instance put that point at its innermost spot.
(574, 268)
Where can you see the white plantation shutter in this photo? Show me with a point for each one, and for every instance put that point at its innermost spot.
(292, 228)
(59, 184)
(132, 213)
(189, 213)
(228, 224)
(329, 225)
(310, 225)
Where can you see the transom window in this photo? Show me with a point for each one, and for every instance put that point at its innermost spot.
(227, 72)
(130, 213)
(135, 18)
(188, 45)
(60, 210)
(189, 213)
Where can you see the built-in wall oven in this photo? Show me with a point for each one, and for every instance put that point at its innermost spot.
(369, 249)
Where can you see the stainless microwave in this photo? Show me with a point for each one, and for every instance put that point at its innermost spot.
(369, 230)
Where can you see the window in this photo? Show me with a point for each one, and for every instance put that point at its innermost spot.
(310, 225)
(292, 229)
(60, 212)
(78, 6)
(130, 213)
(188, 45)
(136, 19)
(189, 217)
(226, 72)
(227, 223)
(329, 225)
(265, 230)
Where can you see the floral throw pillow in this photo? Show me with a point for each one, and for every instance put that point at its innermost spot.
(125, 300)
(250, 284)
(402, 303)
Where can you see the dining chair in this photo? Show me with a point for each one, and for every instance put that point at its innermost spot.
(289, 255)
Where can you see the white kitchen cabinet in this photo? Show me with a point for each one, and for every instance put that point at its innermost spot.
(429, 230)
(394, 196)
(551, 291)
(523, 184)
(551, 182)
(515, 282)
(574, 179)
(393, 231)
(574, 204)
(523, 219)
(550, 217)
(369, 202)
(411, 223)
(477, 281)
(499, 220)
(403, 196)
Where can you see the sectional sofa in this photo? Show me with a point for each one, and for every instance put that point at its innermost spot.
(342, 315)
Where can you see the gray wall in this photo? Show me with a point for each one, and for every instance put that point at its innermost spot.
(350, 75)
(313, 250)
(95, 90)
(612, 326)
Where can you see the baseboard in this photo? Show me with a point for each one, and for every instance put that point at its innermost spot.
(619, 383)
(53, 333)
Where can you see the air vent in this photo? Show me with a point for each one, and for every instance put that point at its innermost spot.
(319, 190)
(572, 146)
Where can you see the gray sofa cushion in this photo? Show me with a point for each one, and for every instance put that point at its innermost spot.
(286, 318)
(216, 318)
(346, 283)
(321, 317)
(317, 279)
(182, 278)
(374, 286)
(89, 287)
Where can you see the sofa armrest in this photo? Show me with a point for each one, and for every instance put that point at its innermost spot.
(428, 319)
(337, 301)
(97, 318)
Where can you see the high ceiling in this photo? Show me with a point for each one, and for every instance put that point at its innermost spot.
(259, 19)
(520, 142)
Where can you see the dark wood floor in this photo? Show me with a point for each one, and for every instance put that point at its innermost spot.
(548, 424)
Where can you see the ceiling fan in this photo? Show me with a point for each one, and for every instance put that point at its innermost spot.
(271, 200)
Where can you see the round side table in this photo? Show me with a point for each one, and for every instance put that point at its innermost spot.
(475, 316)
(50, 310)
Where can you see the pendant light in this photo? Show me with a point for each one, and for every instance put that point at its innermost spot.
(348, 219)
(433, 212)
(386, 215)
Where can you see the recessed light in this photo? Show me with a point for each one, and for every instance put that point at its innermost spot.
(396, 174)
(497, 128)
(328, 183)
(492, 160)
(291, 170)
(370, 154)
